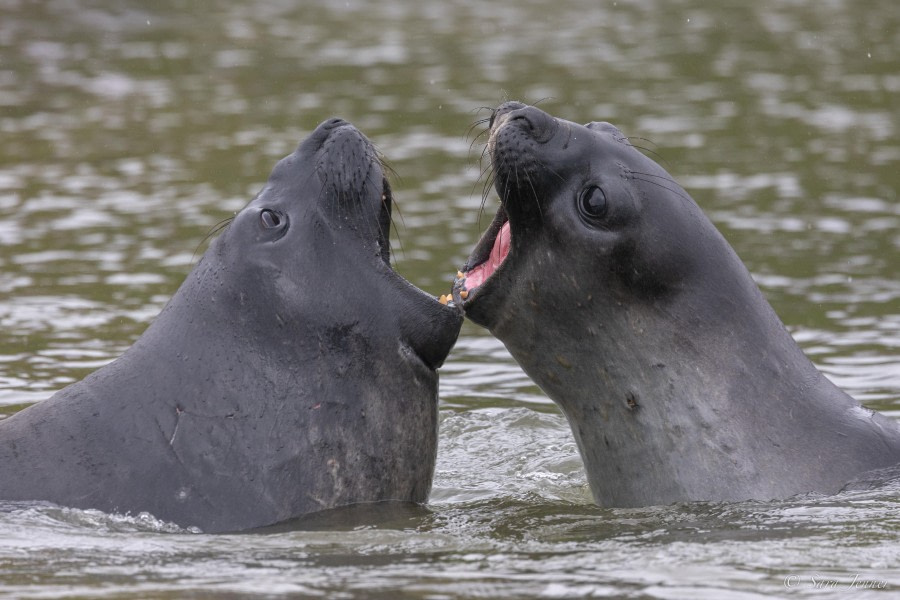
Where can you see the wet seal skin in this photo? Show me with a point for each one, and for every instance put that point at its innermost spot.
(622, 301)
(293, 371)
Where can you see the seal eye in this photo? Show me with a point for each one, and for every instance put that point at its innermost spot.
(593, 203)
(270, 219)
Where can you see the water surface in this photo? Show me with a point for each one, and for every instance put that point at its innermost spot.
(130, 130)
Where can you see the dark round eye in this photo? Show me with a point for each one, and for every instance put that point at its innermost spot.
(593, 203)
(270, 219)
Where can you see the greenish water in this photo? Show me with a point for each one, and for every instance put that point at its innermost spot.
(130, 129)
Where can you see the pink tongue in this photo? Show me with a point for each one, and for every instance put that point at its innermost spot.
(479, 274)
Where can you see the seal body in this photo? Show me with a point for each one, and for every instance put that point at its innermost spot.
(292, 371)
(622, 301)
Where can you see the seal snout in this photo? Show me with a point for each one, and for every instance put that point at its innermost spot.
(522, 140)
(518, 133)
(532, 121)
(499, 114)
(346, 160)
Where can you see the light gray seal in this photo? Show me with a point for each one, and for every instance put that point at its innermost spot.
(622, 301)
(292, 371)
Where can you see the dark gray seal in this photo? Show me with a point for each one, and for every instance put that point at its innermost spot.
(621, 300)
(292, 371)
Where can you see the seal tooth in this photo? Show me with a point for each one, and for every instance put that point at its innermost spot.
(444, 299)
(464, 294)
(459, 274)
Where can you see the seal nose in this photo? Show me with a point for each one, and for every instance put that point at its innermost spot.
(326, 127)
(333, 123)
(541, 125)
(322, 133)
(504, 108)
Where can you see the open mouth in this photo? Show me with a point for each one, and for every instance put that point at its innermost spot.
(485, 260)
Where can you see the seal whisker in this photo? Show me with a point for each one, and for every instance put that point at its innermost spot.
(487, 120)
(394, 206)
(534, 193)
(485, 189)
(643, 139)
(488, 186)
(213, 231)
(663, 177)
(490, 109)
(380, 189)
(385, 165)
(489, 183)
(505, 191)
(364, 190)
(552, 172)
(627, 142)
(475, 140)
(484, 153)
(674, 190)
(327, 187)
(516, 173)
(476, 124)
(312, 206)
(654, 153)
(488, 170)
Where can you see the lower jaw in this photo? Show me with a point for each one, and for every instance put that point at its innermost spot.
(459, 294)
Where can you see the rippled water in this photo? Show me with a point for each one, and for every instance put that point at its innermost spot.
(129, 130)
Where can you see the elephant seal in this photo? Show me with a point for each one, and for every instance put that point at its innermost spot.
(292, 371)
(622, 301)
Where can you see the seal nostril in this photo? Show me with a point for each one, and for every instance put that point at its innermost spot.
(540, 125)
(334, 122)
(510, 106)
(504, 109)
(523, 117)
